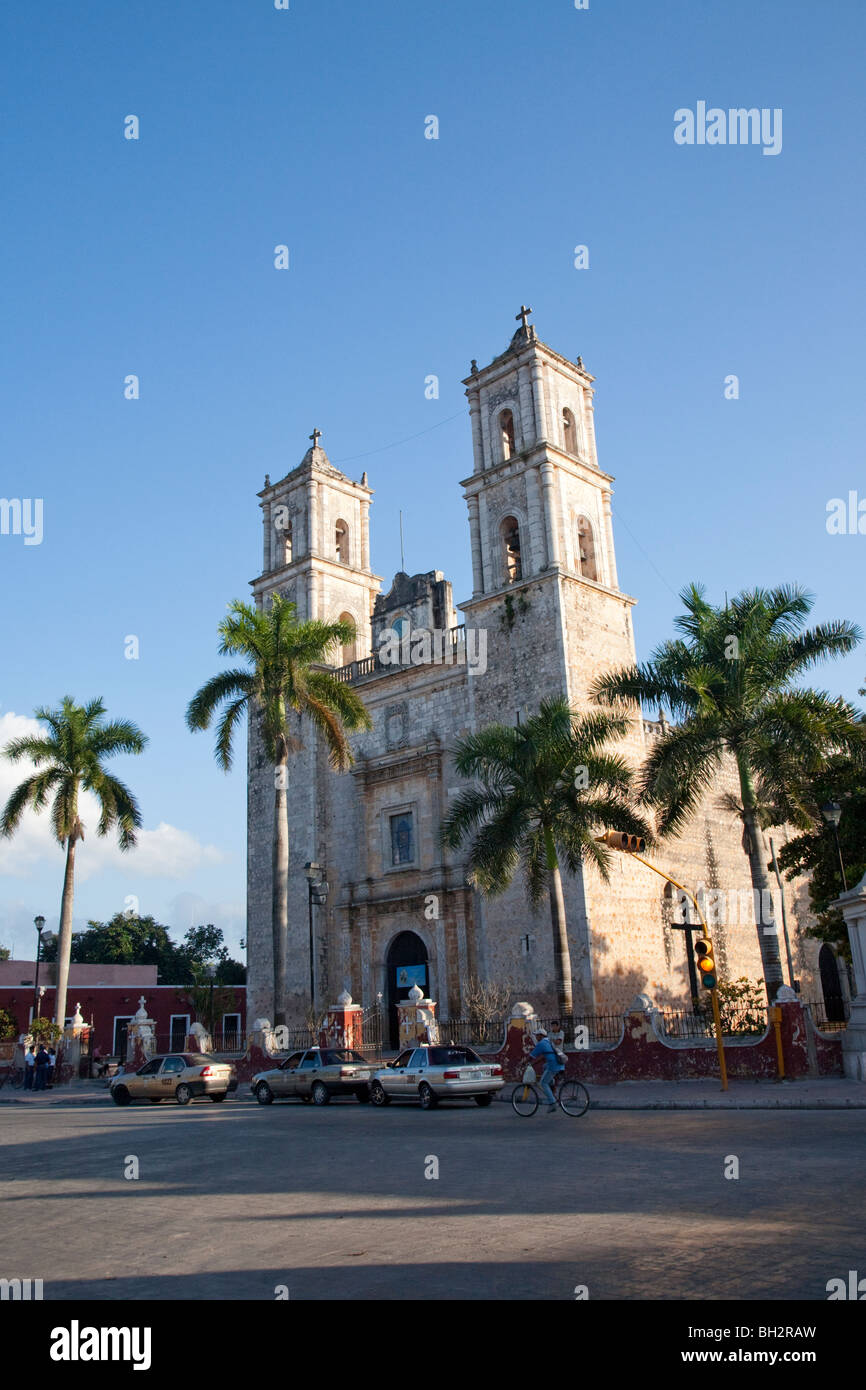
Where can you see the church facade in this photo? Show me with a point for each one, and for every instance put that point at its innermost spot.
(546, 615)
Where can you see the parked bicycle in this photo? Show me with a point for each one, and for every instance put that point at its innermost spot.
(14, 1076)
(572, 1097)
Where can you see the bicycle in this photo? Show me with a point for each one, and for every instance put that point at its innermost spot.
(15, 1077)
(572, 1097)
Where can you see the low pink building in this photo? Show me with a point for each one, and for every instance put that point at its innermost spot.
(109, 995)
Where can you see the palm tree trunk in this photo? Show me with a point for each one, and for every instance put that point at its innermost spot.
(280, 877)
(561, 953)
(64, 945)
(768, 942)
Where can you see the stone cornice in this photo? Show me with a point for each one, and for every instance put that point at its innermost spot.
(513, 358)
(555, 572)
(534, 457)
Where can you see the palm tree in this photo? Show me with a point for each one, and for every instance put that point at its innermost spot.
(68, 759)
(286, 658)
(729, 681)
(546, 788)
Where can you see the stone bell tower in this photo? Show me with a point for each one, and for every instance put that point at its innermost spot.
(545, 583)
(316, 543)
(543, 561)
(315, 552)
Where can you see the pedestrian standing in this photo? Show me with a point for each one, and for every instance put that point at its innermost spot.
(41, 1068)
(52, 1063)
(29, 1068)
(546, 1052)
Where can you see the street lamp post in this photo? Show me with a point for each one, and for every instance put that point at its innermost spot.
(318, 892)
(39, 924)
(832, 813)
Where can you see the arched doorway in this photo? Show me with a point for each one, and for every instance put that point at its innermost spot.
(406, 965)
(831, 985)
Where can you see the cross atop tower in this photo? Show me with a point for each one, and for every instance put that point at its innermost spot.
(523, 315)
(315, 436)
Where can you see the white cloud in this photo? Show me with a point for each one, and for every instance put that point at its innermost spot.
(166, 852)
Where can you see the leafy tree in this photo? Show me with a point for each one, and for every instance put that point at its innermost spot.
(729, 681)
(5, 953)
(203, 946)
(44, 1030)
(68, 759)
(543, 791)
(285, 676)
(126, 939)
(8, 1024)
(814, 851)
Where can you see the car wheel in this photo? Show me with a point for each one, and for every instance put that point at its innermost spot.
(156, 1100)
(428, 1099)
(120, 1095)
(264, 1094)
(216, 1099)
(183, 1094)
(483, 1100)
(320, 1094)
(378, 1094)
(363, 1097)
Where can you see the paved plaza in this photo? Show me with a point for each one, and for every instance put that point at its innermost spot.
(235, 1200)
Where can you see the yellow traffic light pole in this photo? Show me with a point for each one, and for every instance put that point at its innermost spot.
(603, 839)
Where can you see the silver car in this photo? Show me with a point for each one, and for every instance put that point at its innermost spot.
(315, 1075)
(430, 1074)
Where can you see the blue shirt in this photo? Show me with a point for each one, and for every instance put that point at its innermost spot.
(544, 1048)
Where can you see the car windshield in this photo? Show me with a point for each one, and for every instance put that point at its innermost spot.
(334, 1056)
(450, 1056)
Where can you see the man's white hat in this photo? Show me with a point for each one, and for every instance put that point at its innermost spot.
(541, 1032)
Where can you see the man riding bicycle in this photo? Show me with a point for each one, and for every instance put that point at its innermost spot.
(546, 1052)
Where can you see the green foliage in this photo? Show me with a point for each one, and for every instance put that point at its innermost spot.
(742, 1005)
(68, 757)
(8, 1024)
(729, 681)
(5, 953)
(287, 674)
(43, 1030)
(814, 851)
(128, 939)
(529, 806)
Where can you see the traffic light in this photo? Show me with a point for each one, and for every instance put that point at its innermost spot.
(627, 844)
(705, 962)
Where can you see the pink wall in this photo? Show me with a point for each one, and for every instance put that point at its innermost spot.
(104, 1004)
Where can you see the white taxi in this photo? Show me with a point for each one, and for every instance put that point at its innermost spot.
(430, 1074)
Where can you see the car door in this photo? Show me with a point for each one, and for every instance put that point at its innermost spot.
(144, 1083)
(169, 1073)
(394, 1077)
(414, 1073)
(306, 1073)
(283, 1082)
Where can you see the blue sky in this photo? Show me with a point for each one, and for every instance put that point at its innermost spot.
(408, 257)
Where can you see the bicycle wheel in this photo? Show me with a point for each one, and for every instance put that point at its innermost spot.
(573, 1098)
(18, 1079)
(524, 1098)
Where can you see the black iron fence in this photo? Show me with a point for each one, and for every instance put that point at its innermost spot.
(475, 1032)
(373, 1032)
(829, 1015)
(744, 1021)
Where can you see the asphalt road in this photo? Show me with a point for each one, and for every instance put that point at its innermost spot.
(235, 1200)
